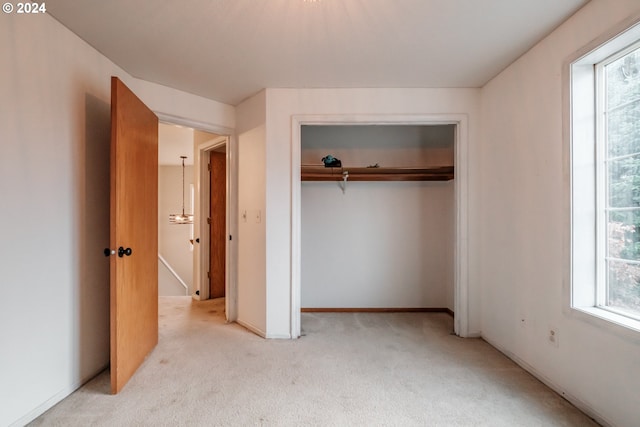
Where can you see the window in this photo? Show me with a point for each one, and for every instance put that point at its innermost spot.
(604, 153)
(618, 174)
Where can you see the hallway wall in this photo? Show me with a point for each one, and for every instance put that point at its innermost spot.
(173, 239)
(252, 261)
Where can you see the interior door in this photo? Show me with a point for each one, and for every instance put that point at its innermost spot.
(218, 211)
(134, 233)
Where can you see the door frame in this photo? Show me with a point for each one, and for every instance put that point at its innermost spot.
(461, 185)
(202, 211)
(201, 250)
(201, 184)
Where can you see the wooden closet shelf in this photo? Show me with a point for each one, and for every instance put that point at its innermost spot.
(321, 173)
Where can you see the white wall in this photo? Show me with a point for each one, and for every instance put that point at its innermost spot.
(282, 104)
(168, 284)
(522, 265)
(381, 244)
(173, 239)
(54, 175)
(252, 292)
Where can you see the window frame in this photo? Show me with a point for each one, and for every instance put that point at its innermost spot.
(586, 190)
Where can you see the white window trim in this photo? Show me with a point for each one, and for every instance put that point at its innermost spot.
(582, 185)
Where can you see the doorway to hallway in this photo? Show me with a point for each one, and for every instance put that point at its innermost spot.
(193, 255)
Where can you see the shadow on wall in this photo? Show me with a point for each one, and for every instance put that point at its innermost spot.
(91, 335)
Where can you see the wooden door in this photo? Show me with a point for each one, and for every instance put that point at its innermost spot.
(218, 213)
(134, 226)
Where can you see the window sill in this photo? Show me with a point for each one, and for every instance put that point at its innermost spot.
(622, 326)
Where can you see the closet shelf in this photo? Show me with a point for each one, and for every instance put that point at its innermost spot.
(321, 173)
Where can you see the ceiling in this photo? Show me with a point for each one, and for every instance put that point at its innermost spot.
(227, 50)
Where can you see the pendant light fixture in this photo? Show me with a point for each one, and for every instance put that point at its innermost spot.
(181, 218)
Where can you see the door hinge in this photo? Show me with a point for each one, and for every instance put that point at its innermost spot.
(208, 166)
(208, 220)
(230, 237)
(208, 275)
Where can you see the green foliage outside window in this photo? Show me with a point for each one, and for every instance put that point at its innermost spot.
(623, 180)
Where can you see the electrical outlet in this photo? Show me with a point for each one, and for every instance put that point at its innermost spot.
(523, 322)
(554, 337)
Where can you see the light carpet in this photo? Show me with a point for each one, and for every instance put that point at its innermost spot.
(349, 369)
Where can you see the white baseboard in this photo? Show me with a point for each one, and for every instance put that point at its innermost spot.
(584, 407)
(54, 400)
(279, 336)
(252, 328)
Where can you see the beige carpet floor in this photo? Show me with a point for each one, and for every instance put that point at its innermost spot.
(349, 369)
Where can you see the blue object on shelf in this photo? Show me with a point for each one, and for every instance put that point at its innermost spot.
(331, 162)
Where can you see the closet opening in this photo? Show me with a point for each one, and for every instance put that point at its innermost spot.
(383, 230)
